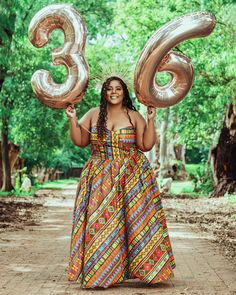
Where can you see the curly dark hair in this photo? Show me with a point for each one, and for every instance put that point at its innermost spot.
(127, 103)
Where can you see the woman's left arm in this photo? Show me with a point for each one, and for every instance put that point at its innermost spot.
(149, 136)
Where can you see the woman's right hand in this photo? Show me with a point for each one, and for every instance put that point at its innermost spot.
(71, 112)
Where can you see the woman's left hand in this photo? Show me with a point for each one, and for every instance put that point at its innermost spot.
(151, 112)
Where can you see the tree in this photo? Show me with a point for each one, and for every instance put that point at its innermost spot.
(34, 127)
(223, 155)
(201, 114)
(41, 132)
(7, 26)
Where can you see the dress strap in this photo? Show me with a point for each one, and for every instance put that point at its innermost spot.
(85, 128)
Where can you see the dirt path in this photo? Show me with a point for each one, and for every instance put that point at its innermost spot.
(33, 259)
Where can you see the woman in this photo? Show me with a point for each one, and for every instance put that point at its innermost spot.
(119, 229)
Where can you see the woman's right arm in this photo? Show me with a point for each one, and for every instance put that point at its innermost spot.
(79, 135)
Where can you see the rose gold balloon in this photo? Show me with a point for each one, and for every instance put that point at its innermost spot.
(157, 57)
(71, 55)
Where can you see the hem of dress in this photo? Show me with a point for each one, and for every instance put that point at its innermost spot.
(171, 275)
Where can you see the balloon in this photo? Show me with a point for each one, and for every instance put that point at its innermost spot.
(158, 57)
(71, 55)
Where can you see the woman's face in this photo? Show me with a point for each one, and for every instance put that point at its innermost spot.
(115, 92)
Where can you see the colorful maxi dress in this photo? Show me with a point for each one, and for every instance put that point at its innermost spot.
(119, 229)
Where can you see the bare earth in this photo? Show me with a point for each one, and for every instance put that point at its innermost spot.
(34, 247)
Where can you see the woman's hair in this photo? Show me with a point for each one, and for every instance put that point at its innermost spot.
(127, 103)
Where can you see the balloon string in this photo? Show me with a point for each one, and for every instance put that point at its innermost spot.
(85, 128)
(91, 133)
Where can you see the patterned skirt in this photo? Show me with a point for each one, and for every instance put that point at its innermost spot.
(119, 229)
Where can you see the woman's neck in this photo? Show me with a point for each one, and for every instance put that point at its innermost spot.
(114, 109)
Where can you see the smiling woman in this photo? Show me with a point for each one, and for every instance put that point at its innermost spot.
(115, 92)
(119, 229)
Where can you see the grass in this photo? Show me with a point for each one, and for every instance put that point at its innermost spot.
(58, 184)
(16, 193)
(4, 194)
(179, 187)
(192, 168)
(231, 198)
(185, 187)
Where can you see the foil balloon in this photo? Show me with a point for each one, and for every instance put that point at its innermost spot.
(71, 55)
(157, 56)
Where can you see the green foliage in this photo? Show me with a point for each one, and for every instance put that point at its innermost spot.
(202, 178)
(196, 155)
(41, 132)
(200, 115)
(19, 178)
(192, 168)
(117, 32)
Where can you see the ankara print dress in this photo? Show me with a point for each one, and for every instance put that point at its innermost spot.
(119, 229)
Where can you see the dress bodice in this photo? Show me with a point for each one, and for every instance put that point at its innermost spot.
(117, 144)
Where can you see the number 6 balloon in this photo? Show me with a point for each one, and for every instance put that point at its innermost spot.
(71, 55)
(157, 57)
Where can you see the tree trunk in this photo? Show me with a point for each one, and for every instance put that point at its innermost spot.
(164, 144)
(7, 185)
(153, 154)
(5, 104)
(176, 151)
(6, 168)
(176, 154)
(223, 156)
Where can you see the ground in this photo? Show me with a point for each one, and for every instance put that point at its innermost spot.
(34, 250)
(216, 216)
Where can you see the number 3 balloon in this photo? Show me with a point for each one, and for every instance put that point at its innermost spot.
(156, 56)
(71, 55)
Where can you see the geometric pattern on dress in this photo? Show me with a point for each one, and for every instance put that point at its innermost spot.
(119, 228)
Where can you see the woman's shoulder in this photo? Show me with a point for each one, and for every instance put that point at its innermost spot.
(93, 111)
(136, 114)
(133, 112)
(96, 110)
(136, 117)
